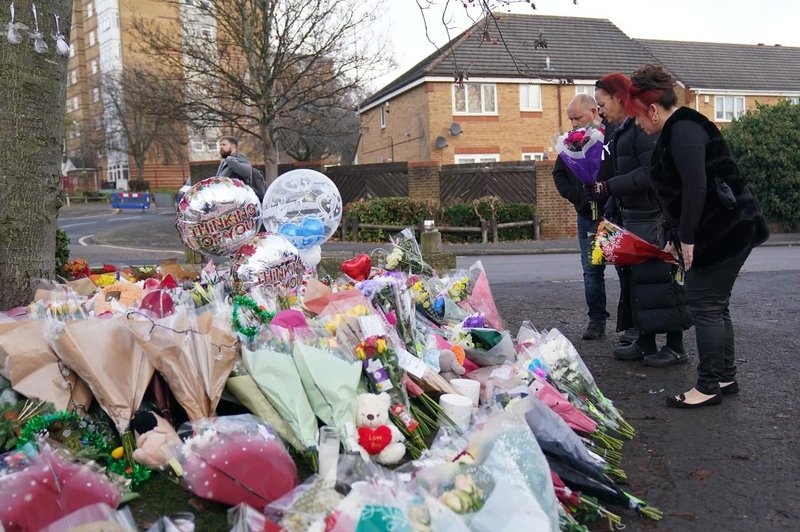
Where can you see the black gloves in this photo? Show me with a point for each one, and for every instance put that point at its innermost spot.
(599, 191)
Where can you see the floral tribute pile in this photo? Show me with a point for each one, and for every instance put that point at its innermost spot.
(399, 388)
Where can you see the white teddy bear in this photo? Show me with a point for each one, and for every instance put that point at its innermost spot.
(376, 432)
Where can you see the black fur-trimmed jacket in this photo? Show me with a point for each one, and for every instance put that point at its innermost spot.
(721, 233)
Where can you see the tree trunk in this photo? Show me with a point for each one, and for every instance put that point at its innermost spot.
(270, 155)
(32, 131)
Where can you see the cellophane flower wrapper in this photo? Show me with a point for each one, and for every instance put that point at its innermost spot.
(584, 159)
(272, 366)
(620, 247)
(236, 459)
(305, 507)
(480, 299)
(55, 301)
(330, 377)
(406, 254)
(50, 485)
(97, 515)
(391, 297)
(568, 371)
(245, 518)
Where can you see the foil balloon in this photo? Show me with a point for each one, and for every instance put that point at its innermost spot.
(304, 206)
(268, 262)
(218, 215)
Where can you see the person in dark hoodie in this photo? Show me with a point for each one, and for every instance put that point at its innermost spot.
(582, 112)
(713, 220)
(651, 302)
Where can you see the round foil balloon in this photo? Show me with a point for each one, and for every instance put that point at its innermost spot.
(304, 206)
(218, 215)
(269, 262)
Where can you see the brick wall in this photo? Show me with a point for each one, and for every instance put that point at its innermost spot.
(556, 215)
(423, 180)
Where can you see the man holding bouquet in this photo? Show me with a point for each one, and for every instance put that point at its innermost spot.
(582, 112)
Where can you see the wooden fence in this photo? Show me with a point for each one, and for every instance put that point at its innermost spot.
(512, 182)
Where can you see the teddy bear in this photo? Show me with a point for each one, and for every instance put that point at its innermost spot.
(376, 433)
(156, 441)
(449, 365)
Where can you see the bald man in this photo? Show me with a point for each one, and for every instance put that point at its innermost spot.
(582, 111)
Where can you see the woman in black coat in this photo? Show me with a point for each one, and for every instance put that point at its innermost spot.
(650, 299)
(714, 222)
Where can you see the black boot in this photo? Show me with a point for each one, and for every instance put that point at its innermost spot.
(595, 330)
(631, 352)
(666, 357)
(629, 336)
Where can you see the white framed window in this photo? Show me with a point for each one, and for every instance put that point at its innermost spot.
(118, 172)
(533, 156)
(478, 158)
(93, 66)
(794, 100)
(95, 95)
(207, 32)
(69, 105)
(726, 108)
(530, 97)
(98, 123)
(383, 115)
(475, 99)
(89, 10)
(198, 145)
(92, 38)
(75, 104)
(71, 51)
(73, 77)
(584, 89)
(212, 145)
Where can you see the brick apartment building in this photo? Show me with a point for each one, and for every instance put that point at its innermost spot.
(513, 105)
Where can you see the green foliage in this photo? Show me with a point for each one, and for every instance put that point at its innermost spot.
(410, 213)
(765, 145)
(62, 248)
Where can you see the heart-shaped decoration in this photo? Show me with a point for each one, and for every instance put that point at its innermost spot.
(311, 232)
(358, 268)
(374, 440)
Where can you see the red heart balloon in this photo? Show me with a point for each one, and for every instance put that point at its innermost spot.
(358, 268)
(374, 440)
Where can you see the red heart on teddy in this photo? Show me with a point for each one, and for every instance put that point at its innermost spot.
(358, 268)
(374, 440)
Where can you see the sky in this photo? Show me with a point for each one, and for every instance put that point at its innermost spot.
(730, 21)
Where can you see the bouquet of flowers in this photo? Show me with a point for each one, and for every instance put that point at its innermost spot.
(582, 151)
(615, 245)
(406, 254)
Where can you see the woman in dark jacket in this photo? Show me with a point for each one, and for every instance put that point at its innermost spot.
(650, 299)
(714, 222)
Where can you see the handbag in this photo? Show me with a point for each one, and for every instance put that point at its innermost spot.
(725, 194)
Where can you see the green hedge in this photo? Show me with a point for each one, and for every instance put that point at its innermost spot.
(411, 213)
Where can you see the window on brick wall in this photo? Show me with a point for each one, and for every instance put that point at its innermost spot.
(89, 10)
(98, 123)
(726, 108)
(475, 99)
(478, 158)
(198, 145)
(93, 66)
(75, 104)
(584, 89)
(91, 38)
(533, 156)
(794, 100)
(95, 95)
(383, 115)
(73, 77)
(530, 97)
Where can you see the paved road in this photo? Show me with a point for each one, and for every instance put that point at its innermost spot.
(733, 467)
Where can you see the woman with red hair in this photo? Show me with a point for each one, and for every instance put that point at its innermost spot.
(713, 222)
(650, 301)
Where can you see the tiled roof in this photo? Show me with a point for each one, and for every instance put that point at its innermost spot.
(730, 66)
(579, 48)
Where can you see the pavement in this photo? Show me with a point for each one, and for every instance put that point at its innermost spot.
(157, 231)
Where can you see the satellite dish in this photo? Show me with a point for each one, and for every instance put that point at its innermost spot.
(441, 143)
(455, 130)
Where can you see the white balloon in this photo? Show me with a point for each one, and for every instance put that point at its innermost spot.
(304, 206)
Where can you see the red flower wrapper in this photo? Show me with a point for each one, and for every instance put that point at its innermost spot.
(237, 459)
(617, 246)
(48, 487)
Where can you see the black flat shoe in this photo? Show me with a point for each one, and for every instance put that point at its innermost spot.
(631, 352)
(678, 402)
(732, 388)
(595, 330)
(628, 337)
(666, 356)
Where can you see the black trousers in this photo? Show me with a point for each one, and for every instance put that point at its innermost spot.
(709, 292)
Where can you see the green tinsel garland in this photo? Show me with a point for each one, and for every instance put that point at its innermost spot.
(88, 438)
(250, 304)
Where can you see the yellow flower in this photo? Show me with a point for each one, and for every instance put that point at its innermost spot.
(380, 345)
(360, 354)
(597, 256)
(117, 453)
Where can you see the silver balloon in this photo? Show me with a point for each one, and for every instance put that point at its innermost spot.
(304, 206)
(268, 262)
(218, 215)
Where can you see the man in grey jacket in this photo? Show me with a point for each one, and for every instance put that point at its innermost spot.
(236, 165)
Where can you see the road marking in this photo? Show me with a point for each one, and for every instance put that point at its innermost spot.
(82, 242)
(75, 225)
(123, 219)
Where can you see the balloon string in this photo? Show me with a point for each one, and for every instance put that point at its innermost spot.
(154, 326)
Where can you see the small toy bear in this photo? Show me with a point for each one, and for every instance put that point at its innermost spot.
(376, 432)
